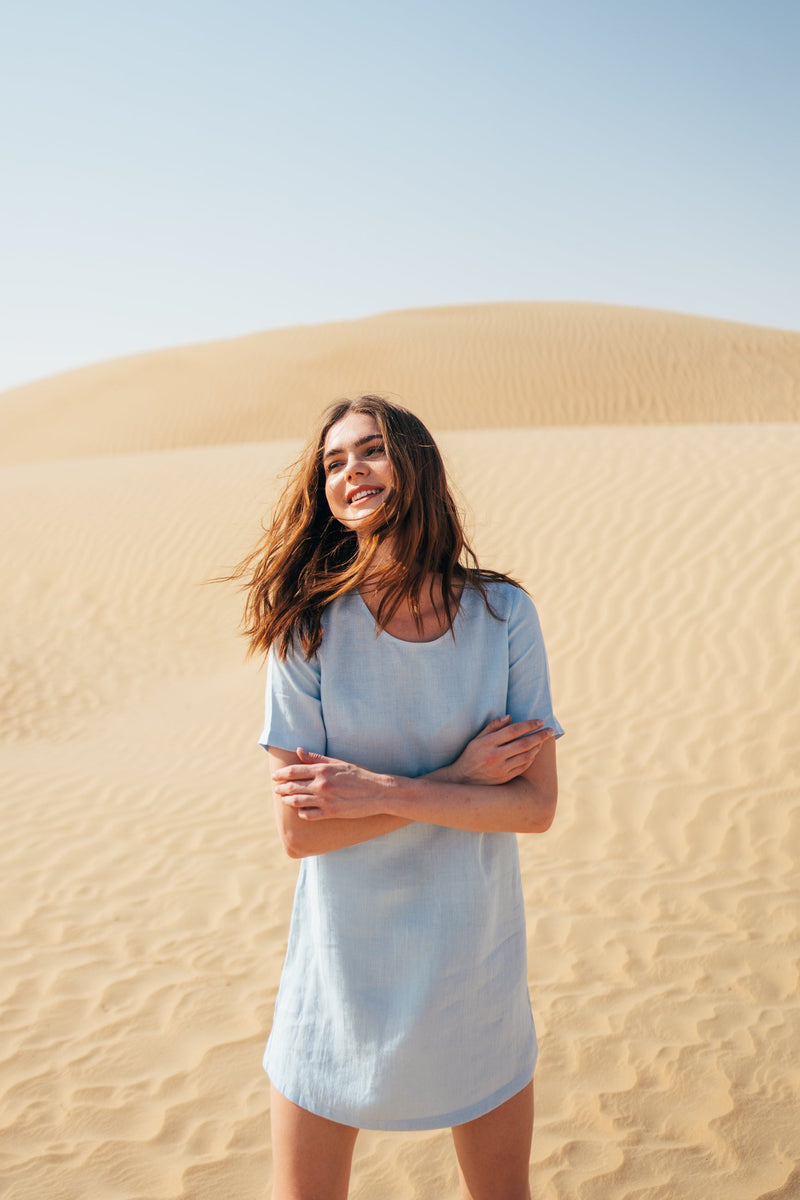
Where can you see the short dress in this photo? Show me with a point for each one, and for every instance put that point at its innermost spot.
(403, 1002)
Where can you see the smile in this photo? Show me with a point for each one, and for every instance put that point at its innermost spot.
(363, 494)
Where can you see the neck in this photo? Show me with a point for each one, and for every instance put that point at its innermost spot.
(430, 597)
(427, 624)
(383, 557)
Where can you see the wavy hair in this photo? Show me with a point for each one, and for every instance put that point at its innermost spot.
(306, 558)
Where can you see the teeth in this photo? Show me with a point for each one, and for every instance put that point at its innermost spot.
(366, 492)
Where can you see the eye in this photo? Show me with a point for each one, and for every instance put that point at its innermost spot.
(376, 449)
(332, 466)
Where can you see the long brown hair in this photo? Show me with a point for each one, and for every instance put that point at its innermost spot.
(305, 558)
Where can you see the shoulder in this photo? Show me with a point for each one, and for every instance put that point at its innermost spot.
(292, 671)
(341, 613)
(346, 626)
(507, 601)
(506, 612)
(514, 608)
(339, 631)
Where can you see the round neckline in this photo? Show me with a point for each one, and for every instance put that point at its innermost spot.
(408, 641)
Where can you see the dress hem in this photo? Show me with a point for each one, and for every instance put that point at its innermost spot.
(447, 1121)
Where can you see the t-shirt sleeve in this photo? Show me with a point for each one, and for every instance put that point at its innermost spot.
(293, 710)
(528, 674)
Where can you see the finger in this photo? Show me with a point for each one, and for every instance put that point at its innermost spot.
(530, 741)
(515, 732)
(297, 771)
(494, 725)
(314, 811)
(311, 756)
(288, 772)
(536, 737)
(521, 762)
(281, 781)
(297, 787)
(504, 734)
(521, 730)
(528, 754)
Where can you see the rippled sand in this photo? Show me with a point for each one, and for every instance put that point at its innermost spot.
(637, 471)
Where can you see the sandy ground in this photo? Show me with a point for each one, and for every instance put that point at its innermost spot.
(648, 498)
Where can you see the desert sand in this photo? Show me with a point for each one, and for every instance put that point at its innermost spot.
(638, 472)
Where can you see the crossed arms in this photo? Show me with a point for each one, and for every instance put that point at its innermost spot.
(504, 780)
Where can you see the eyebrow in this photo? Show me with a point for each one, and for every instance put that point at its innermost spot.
(371, 437)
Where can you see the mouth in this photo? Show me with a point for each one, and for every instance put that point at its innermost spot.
(363, 494)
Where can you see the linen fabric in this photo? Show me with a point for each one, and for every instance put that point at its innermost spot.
(403, 1002)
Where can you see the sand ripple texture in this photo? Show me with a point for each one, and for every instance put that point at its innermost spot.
(144, 902)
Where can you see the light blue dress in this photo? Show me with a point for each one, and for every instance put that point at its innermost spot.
(403, 1002)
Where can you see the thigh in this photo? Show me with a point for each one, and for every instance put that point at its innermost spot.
(494, 1151)
(311, 1156)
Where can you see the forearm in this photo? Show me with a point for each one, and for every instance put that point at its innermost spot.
(302, 838)
(520, 806)
(320, 791)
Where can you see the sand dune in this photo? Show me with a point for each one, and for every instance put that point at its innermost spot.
(495, 365)
(143, 898)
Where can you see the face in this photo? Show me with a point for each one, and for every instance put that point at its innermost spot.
(358, 475)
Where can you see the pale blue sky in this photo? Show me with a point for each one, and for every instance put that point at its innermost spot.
(183, 170)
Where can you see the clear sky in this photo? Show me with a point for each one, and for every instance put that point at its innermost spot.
(183, 170)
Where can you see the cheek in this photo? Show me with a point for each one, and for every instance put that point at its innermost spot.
(333, 494)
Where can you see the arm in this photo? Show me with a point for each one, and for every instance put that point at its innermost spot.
(301, 838)
(504, 780)
(525, 804)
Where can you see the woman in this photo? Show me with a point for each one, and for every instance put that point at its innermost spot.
(411, 736)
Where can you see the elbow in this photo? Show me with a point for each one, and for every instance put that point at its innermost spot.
(293, 842)
(541, 811)
(546, 819)
(295, 835)
(291, 849)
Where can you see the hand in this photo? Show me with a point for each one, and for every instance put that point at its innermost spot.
(500, 752)
(318, 787)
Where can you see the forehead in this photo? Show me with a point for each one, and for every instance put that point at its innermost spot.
(352, 428)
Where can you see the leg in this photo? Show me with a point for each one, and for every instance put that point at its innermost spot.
(494, 1151)
(311, 1156)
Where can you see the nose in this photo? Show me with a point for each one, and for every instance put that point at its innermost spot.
(355, 466)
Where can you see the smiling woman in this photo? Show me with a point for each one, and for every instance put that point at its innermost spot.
(411, 736)
(358, 474)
